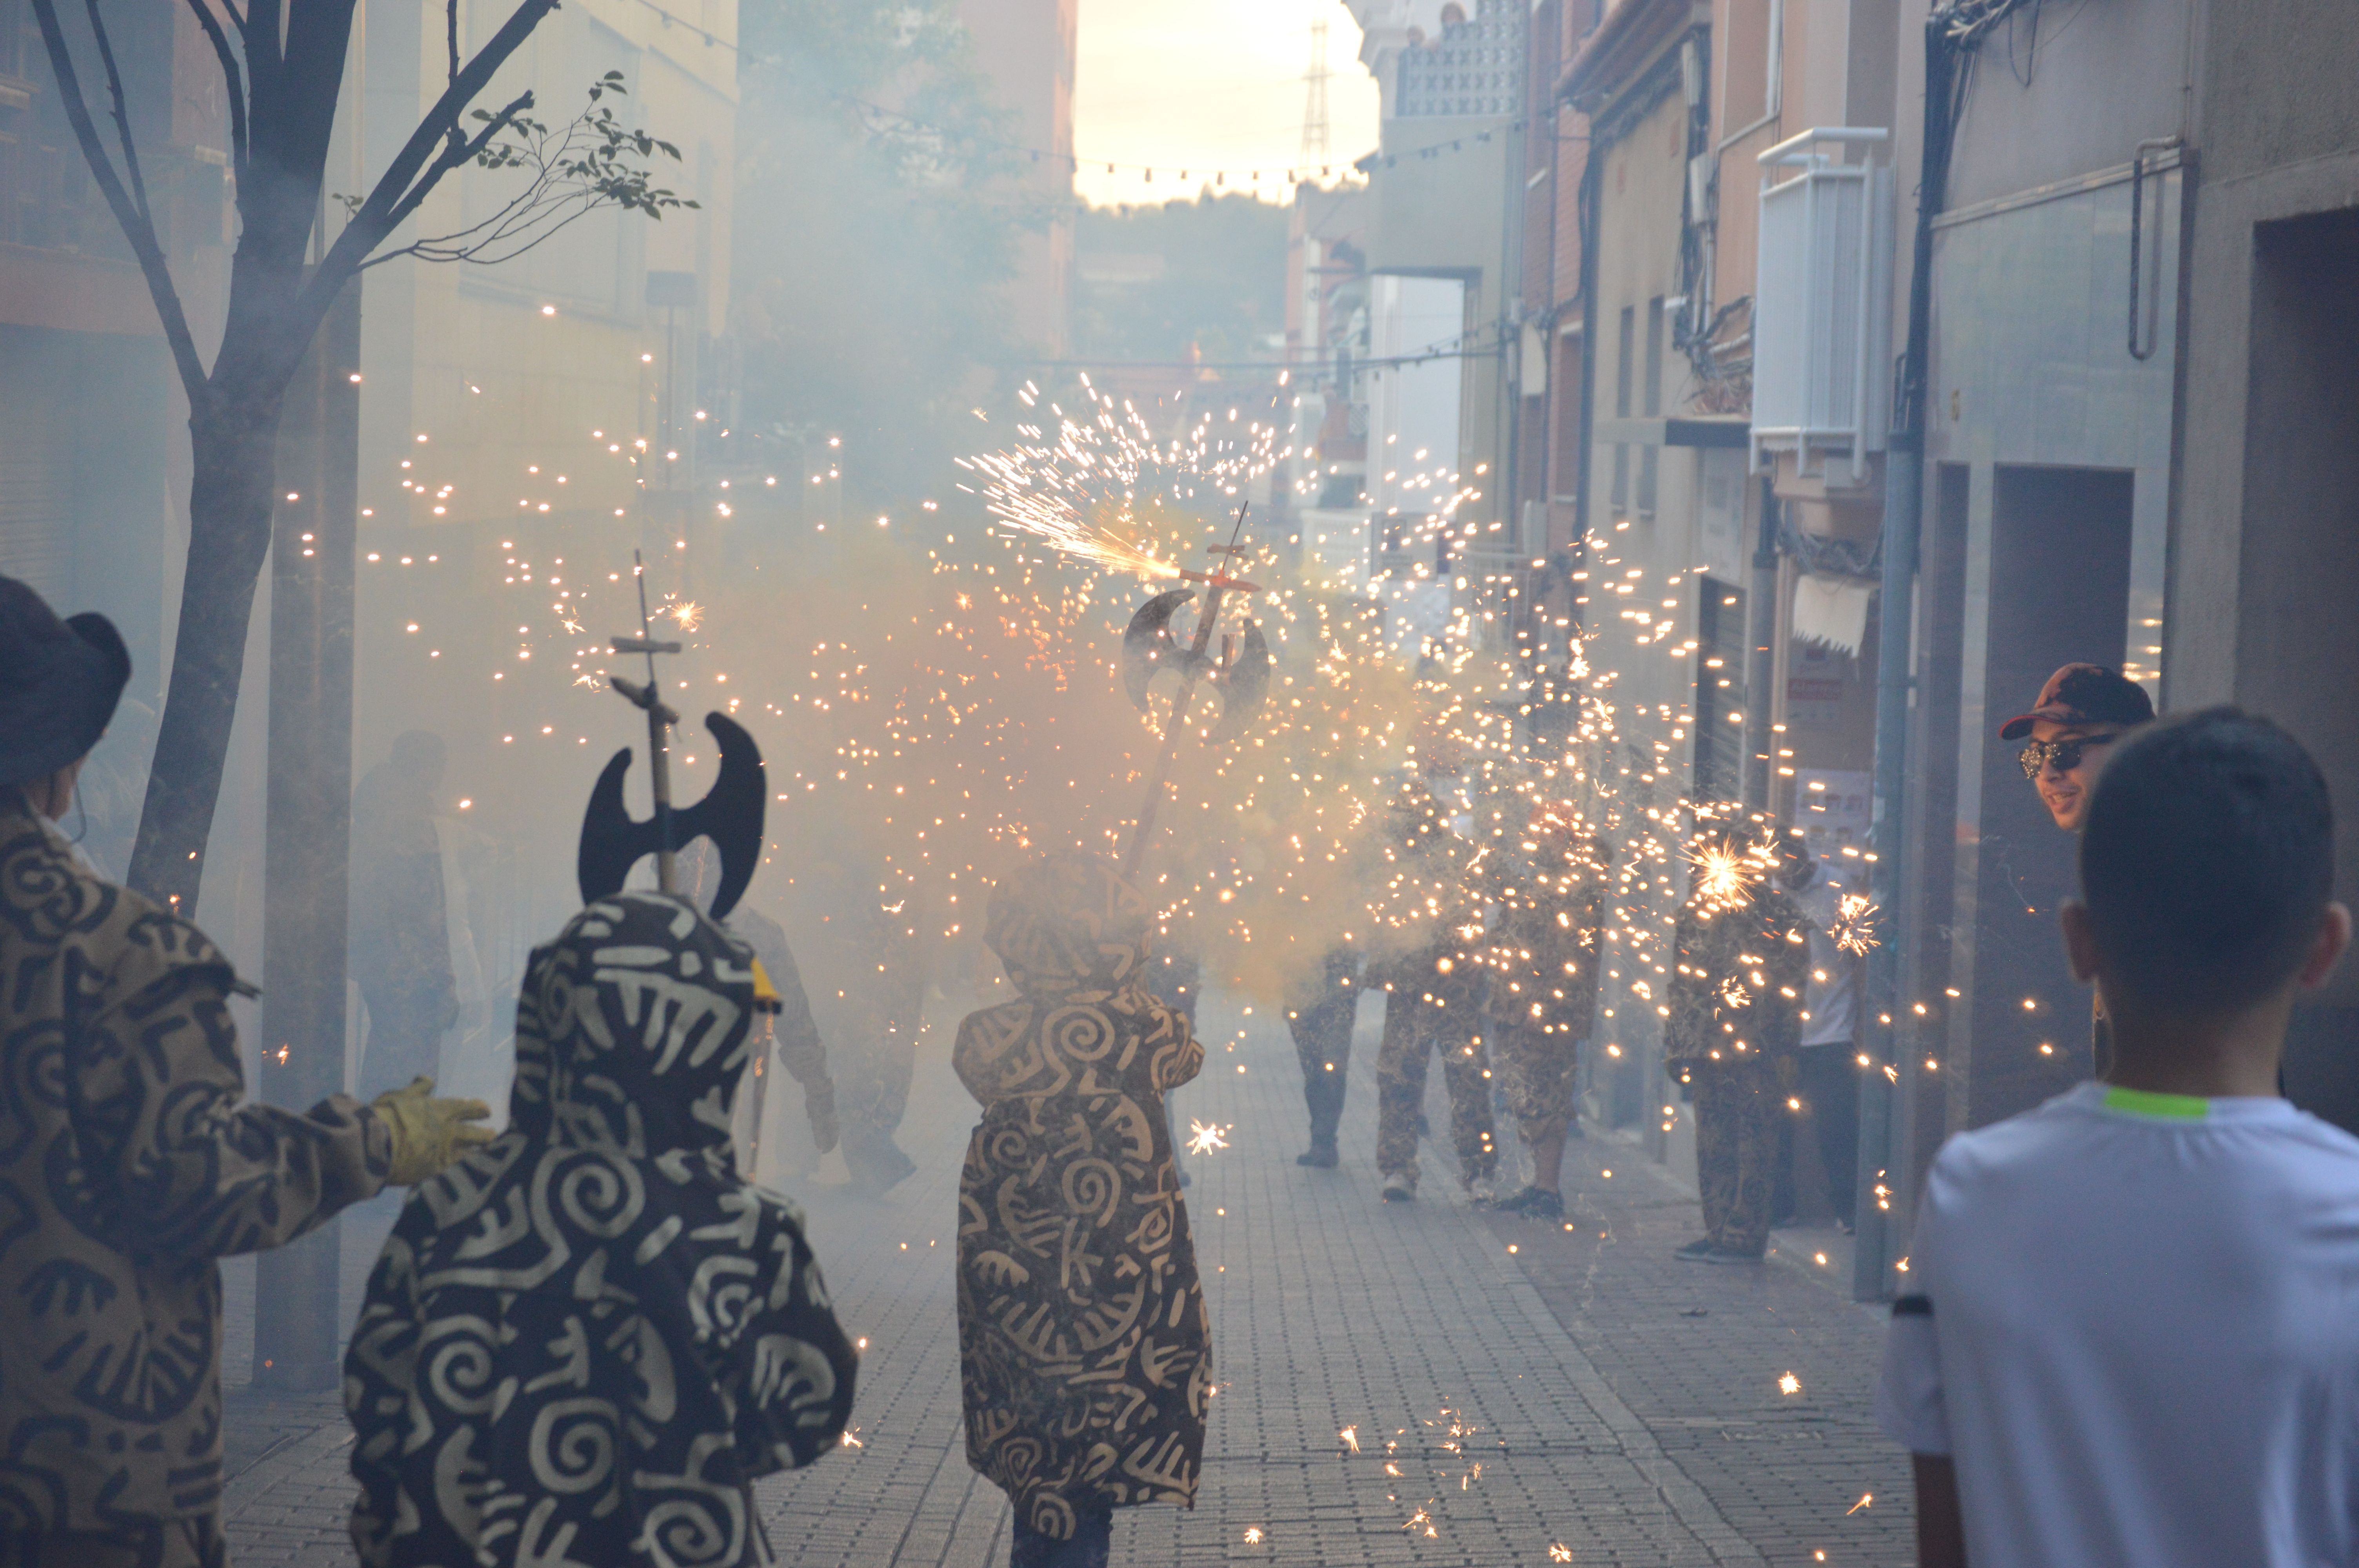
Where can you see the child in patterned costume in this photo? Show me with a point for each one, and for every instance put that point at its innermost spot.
(584, 1343)
(1083, 1336)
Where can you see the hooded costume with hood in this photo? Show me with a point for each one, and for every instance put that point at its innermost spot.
(583, 1341)
(1082, 1336)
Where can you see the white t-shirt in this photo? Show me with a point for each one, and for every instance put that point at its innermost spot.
(1831, 1001)
(2132, 1321)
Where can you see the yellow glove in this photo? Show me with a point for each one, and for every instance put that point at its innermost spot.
(428, 1133)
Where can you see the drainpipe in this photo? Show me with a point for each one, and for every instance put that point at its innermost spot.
(1761, 660)
(1881, 1153)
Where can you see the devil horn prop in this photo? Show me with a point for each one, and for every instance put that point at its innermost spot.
(1244, 686)
(731, 814)
(1147, 647)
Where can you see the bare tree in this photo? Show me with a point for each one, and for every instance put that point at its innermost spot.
(283, 62)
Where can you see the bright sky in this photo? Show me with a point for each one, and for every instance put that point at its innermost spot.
(1202, 85)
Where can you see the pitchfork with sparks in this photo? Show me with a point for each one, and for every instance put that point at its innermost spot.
(1241, 674)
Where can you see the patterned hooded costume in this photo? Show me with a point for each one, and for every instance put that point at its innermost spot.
(583, 1341)
(1083, 1336)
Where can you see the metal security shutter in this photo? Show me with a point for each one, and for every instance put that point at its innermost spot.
(35, 458)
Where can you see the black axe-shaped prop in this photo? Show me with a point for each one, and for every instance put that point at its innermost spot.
(1242, 676)
(731, 814)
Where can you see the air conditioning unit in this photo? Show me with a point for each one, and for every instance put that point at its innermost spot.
(1823, 303)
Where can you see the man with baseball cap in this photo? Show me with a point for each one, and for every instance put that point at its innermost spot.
(2082, 711)
(127, 1164)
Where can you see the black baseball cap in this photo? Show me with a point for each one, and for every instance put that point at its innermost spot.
(2084, 694)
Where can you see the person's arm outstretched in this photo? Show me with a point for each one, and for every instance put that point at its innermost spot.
(174, 1164)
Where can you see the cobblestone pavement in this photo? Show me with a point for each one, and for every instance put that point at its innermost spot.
(1513, 1387)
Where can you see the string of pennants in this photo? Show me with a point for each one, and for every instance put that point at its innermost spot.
(1220, 176)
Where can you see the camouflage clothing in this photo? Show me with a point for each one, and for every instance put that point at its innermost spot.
(1321, 1021)
(1542, 980)
(1736, 1001)
(1737, 984)
(127, 1165)
(1737, 1118)
(1428, 1008)
(1433, 894)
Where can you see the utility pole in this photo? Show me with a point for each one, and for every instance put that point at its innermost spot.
(1314, 108)
(307, 818)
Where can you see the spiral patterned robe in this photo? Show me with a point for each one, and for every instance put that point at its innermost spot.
(584, 1341)
(1083, 1336)
(126, 1167)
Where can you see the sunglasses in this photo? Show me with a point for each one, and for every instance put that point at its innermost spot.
(2065, 754)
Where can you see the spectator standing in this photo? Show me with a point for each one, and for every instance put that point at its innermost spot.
(1735, 1001)
(1829, 1072)
(2083, 713)
(129, 1165)
(2127, 1336)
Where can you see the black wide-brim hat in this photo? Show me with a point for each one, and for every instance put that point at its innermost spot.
(59, 681)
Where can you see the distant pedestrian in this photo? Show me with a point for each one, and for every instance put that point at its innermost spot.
(2084, 712)
(1735, 1001)
(1084, 1348)
(2127, 1335)
(1320, 1016)
(400, 936)
(1828, 1076)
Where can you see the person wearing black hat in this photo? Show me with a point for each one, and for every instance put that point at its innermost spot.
(2082, 711)
(127, 1164)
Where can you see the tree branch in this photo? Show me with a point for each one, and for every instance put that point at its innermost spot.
(136, 226)
(122, 111)
(231, 74)
(375, 220)
(460, 150)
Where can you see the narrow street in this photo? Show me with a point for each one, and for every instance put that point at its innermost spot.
(1584, 1390)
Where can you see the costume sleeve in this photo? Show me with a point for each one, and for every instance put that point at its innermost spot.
(181, 1168)
(789, 1372)
(1911, 1405)
(1174, 1053)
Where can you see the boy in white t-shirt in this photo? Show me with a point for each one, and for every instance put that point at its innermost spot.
(2133, 1331)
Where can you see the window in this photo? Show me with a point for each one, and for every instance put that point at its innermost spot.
(1653, 356)
(1622, 365)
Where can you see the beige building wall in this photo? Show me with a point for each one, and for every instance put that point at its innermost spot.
(506, 369)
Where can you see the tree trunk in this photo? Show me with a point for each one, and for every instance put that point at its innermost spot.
(298, 1310)
(235, 435)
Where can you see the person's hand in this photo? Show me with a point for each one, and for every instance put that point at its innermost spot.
(428, 1133)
